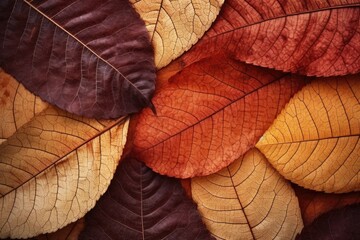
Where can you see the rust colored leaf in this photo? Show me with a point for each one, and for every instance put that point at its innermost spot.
(141, 204)
(309, 37)
(92, 59)
(314, 142)
(248, 200)
(174, 26)
(313, 204)
(209, 114)
(54, 167)
(339, 224)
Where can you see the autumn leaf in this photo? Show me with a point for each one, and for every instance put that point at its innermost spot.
(174, 26)
(141, 204)
(209, 114)
(313, 204)
(338, 224)
(248, 200)
(314, 142)
(91, 59)
(308, 37)
(54, 167)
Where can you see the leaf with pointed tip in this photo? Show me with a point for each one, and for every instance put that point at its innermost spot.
(209, 114)
(339, 224)
(174, 26)
(54, 167)
(92, 59)
(248, 200)
(141, 204)
(308, 37)
(314, 142)
(313, 204)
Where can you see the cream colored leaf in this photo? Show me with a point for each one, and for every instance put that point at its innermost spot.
(314, 142)
(248, 200)
(17, 105)
(174, 26)
(54, 168)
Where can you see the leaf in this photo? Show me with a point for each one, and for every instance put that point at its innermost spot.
(314, 142)
(91, 59)
(338, 224)
(308, 37)
(17, 105)
(208, 115)
(174, 26)
(248, 200)
(54, 168)
(141, 204)
(313, 204)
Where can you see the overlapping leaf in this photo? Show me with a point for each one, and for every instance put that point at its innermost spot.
(141, 204)
(338, 224)
(309, 37)
(174, 26)
(93, 59)
(209, 114)
(54, 167)
(248, 200)
(313, 204)
(314, 142)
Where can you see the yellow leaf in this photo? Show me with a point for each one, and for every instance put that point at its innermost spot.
(314, 142)
(54, 168)
(174, 26)
(248, 200)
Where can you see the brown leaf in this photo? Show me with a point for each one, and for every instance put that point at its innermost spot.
(54, 167)
(176, 25)
(92, 59)
(248, 200)
(313, 204)
(210, 114)
(310, 37)
(141, 204)
(314, 142)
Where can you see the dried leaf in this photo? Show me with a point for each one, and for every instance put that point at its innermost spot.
(93, 59)
(141, 204)
(340, 224)
(248, 200)
(309, 37)
(314, 142)
(313, 204)
(54, 167)
(70, 232)
(209, 114)
(174, 26)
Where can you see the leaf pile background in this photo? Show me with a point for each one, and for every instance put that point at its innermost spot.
(244, 119)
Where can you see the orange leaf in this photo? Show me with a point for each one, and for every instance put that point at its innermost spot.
(309, 37)
(210, 114)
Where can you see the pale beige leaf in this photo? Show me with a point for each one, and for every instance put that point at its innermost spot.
(248, 200)
(54, 168)
(17, 105)
(314, 142)
(174, 26)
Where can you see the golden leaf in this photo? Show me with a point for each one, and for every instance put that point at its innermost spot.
(248, 200)
(54, 167)
(314, 142)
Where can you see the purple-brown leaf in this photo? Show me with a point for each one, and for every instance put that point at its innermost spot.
(141, 204)
(339, 224)
(92, 59)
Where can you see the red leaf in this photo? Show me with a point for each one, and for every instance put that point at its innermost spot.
(141, 204)
(209, 114)
(92, 59)
(309, 37)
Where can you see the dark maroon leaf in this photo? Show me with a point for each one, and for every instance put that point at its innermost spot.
(92, 59)
(339, 224)
(141, 204)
